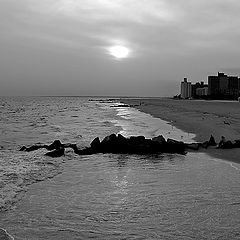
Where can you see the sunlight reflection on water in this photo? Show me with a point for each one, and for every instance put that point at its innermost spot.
(133, 122)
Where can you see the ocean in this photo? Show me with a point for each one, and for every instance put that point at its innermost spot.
(107, 196)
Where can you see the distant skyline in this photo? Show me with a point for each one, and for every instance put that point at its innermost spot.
(115, 47)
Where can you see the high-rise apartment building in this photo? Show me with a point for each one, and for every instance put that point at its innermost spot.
(186, 89)
(223, 86)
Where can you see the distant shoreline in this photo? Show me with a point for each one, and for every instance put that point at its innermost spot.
(202, 118)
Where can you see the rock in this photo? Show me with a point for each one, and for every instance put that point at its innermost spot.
(236, 144)
(32, 148)
(55, 145)
(121, 138)
(224, 144)
(95, 144)
(204, 144)
(86, 151)
(227, 145)
(160, 139)
(123, 144)
(222, 141)
(56, 153)
(136, 139)
(212, 141)
(192, 146)
(109, 144)
(74, 148)
(140, 145)
(68, 145)
(174, 146)
(109, 139)
(23, 148)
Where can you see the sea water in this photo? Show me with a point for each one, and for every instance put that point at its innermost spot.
(107, 196)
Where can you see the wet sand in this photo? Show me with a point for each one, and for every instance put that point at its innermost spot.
(202, 118)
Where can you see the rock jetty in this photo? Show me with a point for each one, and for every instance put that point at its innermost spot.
(119, 144)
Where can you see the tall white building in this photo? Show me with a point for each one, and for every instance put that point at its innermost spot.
(186, 89)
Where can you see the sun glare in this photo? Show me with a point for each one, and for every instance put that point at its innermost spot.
(119, 51)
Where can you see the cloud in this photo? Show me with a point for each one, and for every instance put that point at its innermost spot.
(107, 10)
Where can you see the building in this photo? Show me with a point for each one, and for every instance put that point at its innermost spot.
(199, 89)
(200, 92)
(223, 86)
(186, 89)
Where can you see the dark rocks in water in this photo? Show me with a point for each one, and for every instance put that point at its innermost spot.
(174, 146)
(222, 141)
(133, 145)
(236, 143)
(95, 144)
(23, 148)
(55, 145)
(212, 141)
(32, 148)
(160, 139)
(123, 143)
(224, 144)
(56, 153)
(136, 139)
(86, 151)
(109, 144)
(204, 144)
(192, 146)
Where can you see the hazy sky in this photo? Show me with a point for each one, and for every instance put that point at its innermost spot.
(61, 47)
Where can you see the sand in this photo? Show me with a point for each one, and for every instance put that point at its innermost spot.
(200, 117)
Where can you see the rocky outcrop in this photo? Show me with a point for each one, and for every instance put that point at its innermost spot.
(56, 148)
(56, 153)
(133, 145)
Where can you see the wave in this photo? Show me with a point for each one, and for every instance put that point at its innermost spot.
(18, 170)
(4, 235)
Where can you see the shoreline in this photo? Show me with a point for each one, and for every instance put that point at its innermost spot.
(202, 118)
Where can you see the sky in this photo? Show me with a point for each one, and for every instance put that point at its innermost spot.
(63, 47)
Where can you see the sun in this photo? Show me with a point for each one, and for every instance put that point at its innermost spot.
(119, 51)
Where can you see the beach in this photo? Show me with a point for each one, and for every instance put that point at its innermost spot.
(109, 196)
(200, 117)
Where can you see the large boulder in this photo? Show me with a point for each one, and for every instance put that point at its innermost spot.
(236, 143)
(56, 153)
(212, 141)
(123, 144)
(109, 144)
(135, 140)
(95, 144)
(174, 146)
(160, 139)
(55, 145)
(224, 144)
(32, 148)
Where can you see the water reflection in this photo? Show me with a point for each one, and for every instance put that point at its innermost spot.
(133, 122)
(122, 160)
